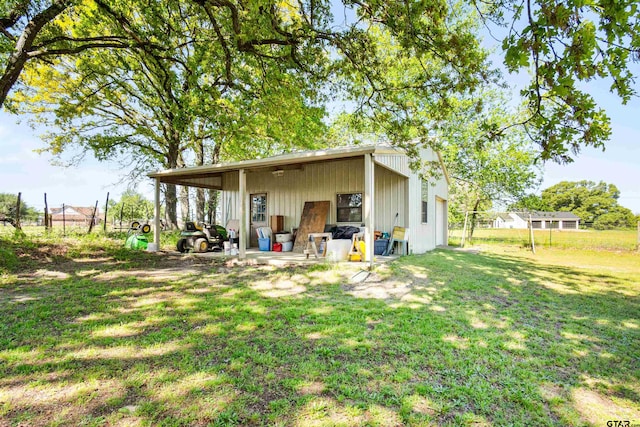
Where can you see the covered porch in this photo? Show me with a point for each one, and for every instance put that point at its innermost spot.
(293, 178)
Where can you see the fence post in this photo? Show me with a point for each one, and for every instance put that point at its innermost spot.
(638, 245)
(18, 226)
(93, 218)
(64, 223)
(106, 208)
(46, 214)
(533, 243)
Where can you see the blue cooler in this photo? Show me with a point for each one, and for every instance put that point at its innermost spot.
(264, 244)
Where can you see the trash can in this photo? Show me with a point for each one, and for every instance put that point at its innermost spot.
(287, 246)
(380, 245)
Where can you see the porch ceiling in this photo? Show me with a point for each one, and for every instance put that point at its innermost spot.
(210, 176)
(204, 180)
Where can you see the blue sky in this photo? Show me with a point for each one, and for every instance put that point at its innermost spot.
(619, 163)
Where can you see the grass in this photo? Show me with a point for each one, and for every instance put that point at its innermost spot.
(96, 335)
(611, 240)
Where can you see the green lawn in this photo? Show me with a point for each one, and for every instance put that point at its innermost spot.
(95, 335)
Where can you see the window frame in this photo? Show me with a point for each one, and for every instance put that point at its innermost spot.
(349, 208)
(424, 201)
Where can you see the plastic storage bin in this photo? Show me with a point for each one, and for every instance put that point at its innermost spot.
(264, 244)
(284, 237)
(379, 246)
(287, 246)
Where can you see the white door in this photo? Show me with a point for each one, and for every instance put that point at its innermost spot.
(441, 220)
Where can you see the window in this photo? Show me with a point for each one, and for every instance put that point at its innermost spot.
(258, 208)
(424, 197)
(349, 207)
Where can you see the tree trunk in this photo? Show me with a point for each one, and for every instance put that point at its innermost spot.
(184, 204)
(214, 195)
(171, 195)
(212, 206)
(171, 199)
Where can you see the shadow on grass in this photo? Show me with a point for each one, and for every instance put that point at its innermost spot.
(445, 338)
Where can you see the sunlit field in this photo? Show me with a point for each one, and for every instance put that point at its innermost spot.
(610, 240)
(93, 334)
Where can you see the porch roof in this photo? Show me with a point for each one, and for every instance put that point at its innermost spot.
(210, 175)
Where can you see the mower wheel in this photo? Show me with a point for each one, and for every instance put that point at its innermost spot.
(182, 245)
(134, 225)
(146, 228)
(201, 245)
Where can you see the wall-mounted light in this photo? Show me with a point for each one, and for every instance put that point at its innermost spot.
(278, 172)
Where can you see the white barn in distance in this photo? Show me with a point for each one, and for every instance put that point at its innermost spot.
(539, 220)
(367, 186)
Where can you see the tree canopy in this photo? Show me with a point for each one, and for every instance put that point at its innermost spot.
(595, 203)
(564, 44)
(168, 107)
(567, 45)
(131, 206)
(486, 171)
(9, 207)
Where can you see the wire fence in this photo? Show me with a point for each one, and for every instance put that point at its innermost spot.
(63, 218)
(609, 240)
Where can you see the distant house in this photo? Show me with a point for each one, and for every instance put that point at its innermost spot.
(539, 220)
(509, 220)
(74, 215)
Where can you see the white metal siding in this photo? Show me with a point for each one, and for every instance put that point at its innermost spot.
(286, 195)
(423, 236)
(390, 199)
(396, 162)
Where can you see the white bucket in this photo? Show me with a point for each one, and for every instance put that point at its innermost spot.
(152, 247)
(338, 249)
(227, 248)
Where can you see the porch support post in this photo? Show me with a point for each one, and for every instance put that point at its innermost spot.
(409, 205)
(242, 232)
(156, 214)
(369, 203)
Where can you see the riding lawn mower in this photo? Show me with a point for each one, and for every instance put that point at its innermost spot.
(201, 237)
